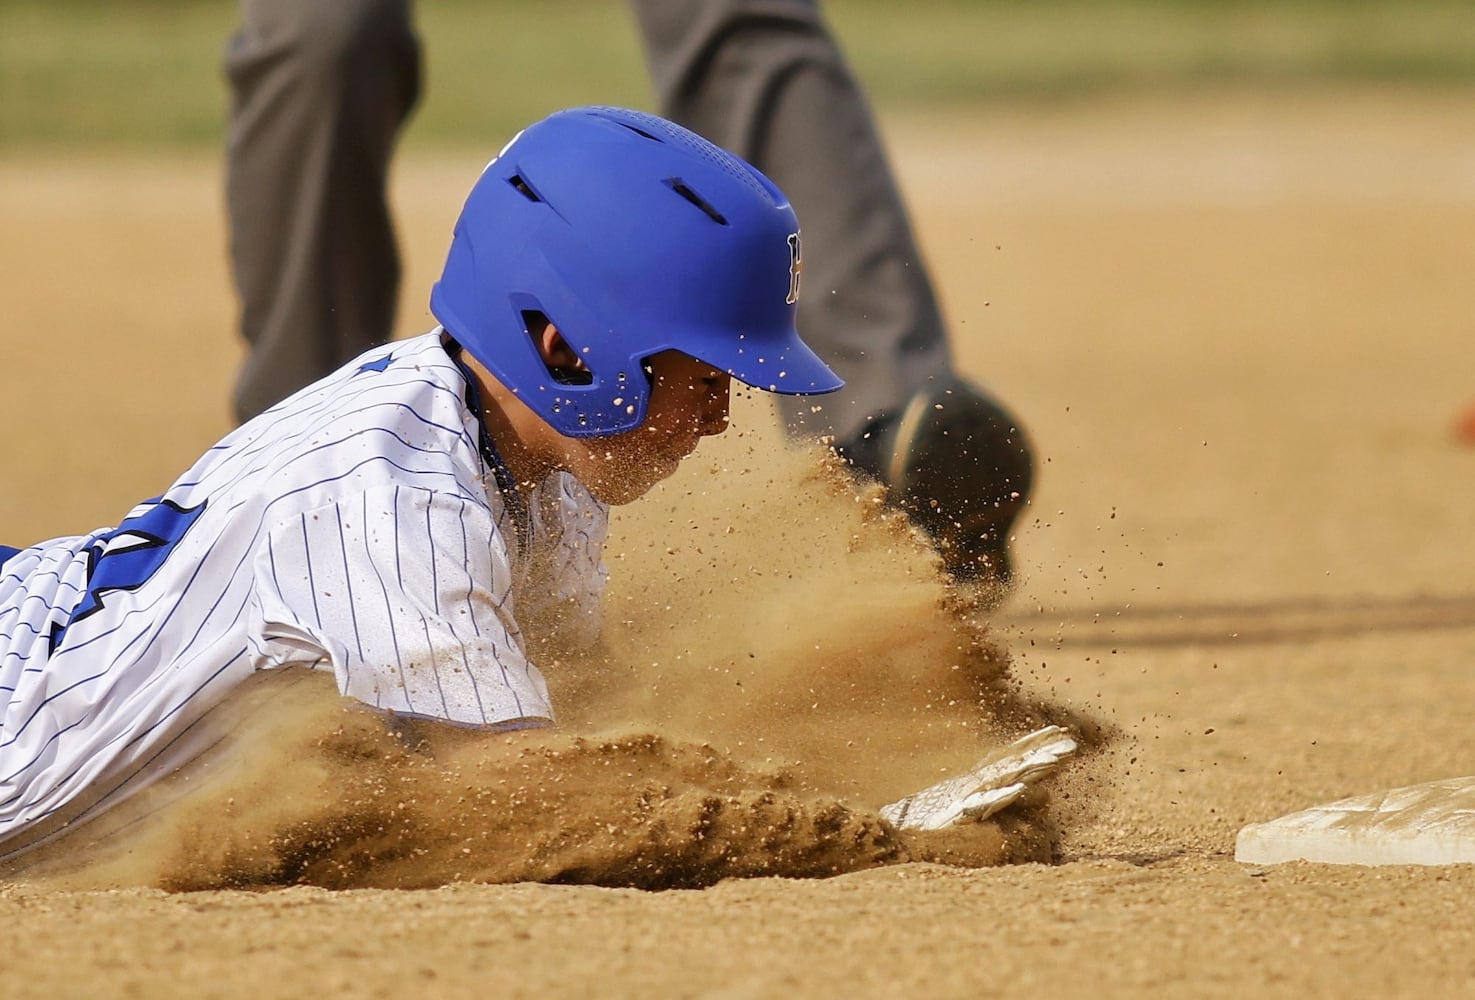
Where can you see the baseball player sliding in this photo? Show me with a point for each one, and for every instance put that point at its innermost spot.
(609, 276)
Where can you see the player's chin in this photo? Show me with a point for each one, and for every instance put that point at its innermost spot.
(627, 481)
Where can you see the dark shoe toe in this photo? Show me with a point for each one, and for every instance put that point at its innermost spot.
(959, 464)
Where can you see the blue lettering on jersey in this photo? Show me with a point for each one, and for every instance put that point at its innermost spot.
(376, 366)
(126, 557)
(6, 552)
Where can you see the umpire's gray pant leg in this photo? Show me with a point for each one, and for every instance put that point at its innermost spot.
(319, 91)
(766, 79)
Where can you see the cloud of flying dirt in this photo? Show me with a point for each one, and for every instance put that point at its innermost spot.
(780, 659)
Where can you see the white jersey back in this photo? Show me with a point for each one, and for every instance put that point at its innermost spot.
(358, 525)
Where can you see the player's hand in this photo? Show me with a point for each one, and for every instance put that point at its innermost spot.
(994, 783)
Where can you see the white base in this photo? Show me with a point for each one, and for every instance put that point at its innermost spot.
(1428, 824)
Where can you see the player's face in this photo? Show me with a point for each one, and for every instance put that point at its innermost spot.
(688, 401)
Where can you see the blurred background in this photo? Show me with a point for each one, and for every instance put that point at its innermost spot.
(1216, 255)
(146, 73)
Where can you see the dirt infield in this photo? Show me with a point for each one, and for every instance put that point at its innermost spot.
(1238, 329)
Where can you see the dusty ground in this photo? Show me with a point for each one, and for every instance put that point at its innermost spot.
(1238, 330)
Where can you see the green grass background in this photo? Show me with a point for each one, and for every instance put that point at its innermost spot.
(145, 74)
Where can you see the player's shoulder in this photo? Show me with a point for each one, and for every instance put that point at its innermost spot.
(416, 364)
(412, 383)
(395, 415)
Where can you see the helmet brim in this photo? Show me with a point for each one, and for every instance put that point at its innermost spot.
(787, 366)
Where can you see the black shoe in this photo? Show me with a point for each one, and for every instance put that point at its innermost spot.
(960, 466)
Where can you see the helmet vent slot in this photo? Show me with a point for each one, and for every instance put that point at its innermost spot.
(523, 188)
(640, 131)
(682, 188)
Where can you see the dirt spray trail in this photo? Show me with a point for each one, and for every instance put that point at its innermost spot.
(760, 603)
(779, 660)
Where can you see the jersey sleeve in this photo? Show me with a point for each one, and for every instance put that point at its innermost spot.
(407, 594)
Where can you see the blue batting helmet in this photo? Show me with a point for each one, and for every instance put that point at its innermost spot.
(633, 236)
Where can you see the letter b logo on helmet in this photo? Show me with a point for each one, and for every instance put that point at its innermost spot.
(633, 236)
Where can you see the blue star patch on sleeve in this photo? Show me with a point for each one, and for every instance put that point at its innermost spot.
(376, 366)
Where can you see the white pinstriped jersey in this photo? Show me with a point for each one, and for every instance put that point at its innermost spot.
(358, 526)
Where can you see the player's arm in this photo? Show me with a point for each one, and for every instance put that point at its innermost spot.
(407, 595)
